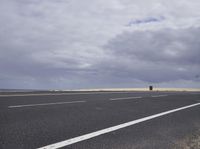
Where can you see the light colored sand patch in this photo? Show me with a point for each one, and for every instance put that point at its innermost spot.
(190, 142)
(141, 89)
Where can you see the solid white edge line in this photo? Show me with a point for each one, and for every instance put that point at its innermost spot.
(159, 95)
(59, 94)
(45, 104)
(110, 129)
(124, 98)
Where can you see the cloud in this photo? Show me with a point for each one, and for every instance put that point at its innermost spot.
(175, 46)
(86, 44)
(157, 56)
(146, 20)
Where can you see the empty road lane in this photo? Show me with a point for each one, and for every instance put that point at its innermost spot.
(102, 120)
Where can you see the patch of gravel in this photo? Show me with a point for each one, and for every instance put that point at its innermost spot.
(190, 142)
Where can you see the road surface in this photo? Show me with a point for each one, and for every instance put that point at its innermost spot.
(100, 120)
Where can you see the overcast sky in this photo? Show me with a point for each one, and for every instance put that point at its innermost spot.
(72, 44)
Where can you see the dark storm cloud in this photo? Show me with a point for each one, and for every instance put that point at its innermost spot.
(178, 46)
(156, 56)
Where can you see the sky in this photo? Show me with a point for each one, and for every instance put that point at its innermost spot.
(75, 44)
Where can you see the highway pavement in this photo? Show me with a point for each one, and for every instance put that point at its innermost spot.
(100, 120)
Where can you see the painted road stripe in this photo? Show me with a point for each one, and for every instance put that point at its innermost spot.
(45, 104)
(59, 94)
(195, 93)
(159, 96)
(111, 129)
(124, 98)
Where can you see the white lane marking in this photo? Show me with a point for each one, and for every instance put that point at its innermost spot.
(57, 94)
(111, 129)
(124, 98)
(158, 95)
(45, 104)
(195, 93)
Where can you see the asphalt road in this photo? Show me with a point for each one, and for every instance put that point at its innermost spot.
(100, 120)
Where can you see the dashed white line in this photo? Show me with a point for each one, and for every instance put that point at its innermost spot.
(111, 129)
(194, 93)
(59, 94)
(45, 104)
(124, 98)
(159, 96)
